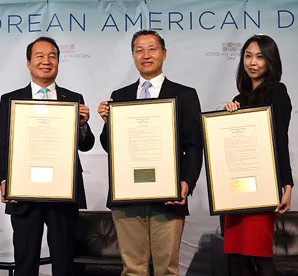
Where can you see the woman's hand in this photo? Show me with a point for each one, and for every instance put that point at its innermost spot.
(285, 203)
(232, 106)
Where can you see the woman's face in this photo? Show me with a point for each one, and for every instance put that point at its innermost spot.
(254, 63)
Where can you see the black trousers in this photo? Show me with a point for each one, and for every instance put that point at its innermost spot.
(61, 221)
(251, 266)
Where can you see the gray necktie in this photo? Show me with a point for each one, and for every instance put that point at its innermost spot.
(44, 92)
(145, 94)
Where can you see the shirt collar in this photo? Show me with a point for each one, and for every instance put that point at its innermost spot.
(156, 81)
(35, 88)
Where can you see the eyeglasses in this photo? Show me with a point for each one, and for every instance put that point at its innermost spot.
(150, 51)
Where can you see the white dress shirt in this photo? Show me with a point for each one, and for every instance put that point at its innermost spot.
(155, 88)
(52, 93)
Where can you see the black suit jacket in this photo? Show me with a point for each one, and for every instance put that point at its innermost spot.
(84, 144)
(189, 133)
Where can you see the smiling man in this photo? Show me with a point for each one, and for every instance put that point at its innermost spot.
(28, 218)
(154, 230)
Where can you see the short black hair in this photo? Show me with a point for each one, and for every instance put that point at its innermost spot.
(147, 32)
(42, 38)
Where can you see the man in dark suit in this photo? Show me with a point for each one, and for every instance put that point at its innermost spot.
(28, 218)
(154, 230)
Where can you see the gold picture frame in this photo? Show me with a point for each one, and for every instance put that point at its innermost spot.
(240, 158)
(143, 151)
(42, 150)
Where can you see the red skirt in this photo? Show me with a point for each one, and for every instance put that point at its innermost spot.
(249, 234)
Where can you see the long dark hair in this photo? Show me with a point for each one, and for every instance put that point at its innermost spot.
(271, 55)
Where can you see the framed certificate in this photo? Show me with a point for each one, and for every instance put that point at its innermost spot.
(143, 161)
(42, 150)
(240, 160)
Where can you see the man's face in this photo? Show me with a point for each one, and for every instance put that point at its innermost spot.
(148, 56)
(43, 65)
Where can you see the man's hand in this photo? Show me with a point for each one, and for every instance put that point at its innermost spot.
(184, 192)
(3, 186)
(103, 110)
(84, 114)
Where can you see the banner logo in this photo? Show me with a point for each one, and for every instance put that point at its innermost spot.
(230, 51)
(68, 52)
